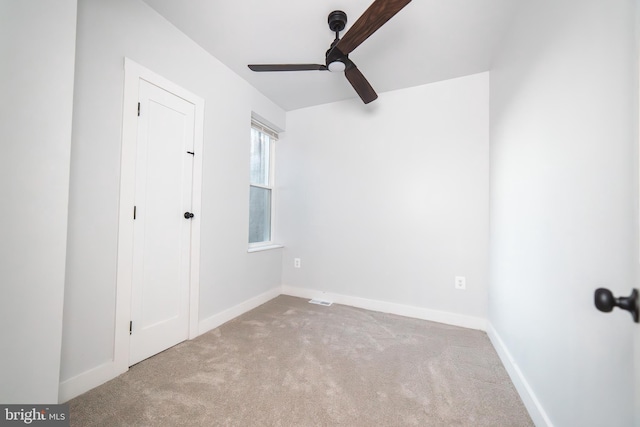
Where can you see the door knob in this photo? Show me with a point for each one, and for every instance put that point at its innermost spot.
(188, 215)
(605, 301)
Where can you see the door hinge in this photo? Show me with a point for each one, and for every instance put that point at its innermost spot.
(191, 152)
(138, 109)
(134, 212)
(130, 326)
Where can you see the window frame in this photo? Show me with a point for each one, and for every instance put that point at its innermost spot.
(273, 137)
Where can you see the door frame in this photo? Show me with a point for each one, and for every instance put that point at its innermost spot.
(636, 337)
(133, 73)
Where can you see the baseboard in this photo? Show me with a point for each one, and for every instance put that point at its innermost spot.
(216, 320)
(99, 375)
(529, 398)
(455, 319)
(87, 380)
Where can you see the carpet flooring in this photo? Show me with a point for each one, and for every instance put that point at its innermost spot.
(291, 363)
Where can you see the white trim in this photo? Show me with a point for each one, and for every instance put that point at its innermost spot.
(637, 206)
(529, 398)
(264, 248)
(99, 375)
(448, 318)
(85, 381)
(133, 73)
(268, 123)
(231, 313)
(196, 203)
(264, 128)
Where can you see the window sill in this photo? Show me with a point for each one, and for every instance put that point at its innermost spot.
(264, 248)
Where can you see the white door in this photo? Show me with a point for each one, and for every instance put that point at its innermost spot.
(161, 232)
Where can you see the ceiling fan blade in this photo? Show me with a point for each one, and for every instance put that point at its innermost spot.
(359, 83)
(371, 20)
(287, 67)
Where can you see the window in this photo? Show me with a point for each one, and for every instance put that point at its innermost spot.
(261, 185)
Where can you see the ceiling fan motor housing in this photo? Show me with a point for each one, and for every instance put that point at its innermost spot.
(337, 21)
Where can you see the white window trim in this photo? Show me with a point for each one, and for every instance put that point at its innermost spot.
(264, 129)
(273, 137)
(264, 248)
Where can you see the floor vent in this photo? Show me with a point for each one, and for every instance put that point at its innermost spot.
(320, 302)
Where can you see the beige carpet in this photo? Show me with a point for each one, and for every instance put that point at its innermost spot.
(291, 363)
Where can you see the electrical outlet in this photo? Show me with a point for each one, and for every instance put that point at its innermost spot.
(296, 262)
(461, 283)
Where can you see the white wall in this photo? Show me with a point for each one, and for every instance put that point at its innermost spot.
(563, 205)
(107, 32)
(37, 47)
(389, 202)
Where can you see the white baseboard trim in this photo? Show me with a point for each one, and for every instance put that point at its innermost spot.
(87, 380)
(216, 320)
(529, 398)
(455, 319)
(99, 375)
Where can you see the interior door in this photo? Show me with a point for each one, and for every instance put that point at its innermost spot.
(162, 225)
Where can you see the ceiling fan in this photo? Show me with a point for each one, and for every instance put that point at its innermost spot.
(337, 57)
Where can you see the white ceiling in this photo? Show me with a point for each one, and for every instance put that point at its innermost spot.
(427, 41)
